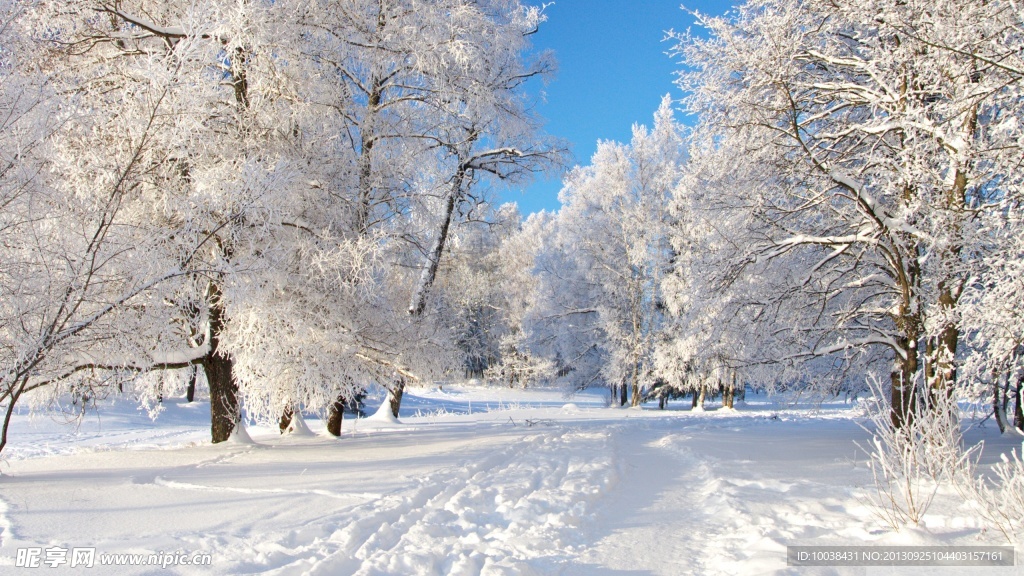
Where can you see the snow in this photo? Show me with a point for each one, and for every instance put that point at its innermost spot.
(298, 426)
(470, 480)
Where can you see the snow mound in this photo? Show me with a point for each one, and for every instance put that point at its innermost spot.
(382, 418)
(570, 408)
(298, 426)
(240, 436)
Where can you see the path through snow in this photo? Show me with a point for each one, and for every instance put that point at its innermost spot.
(468, 488)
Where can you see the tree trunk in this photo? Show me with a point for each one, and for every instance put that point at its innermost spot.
(904, 391)
(224, 409)
(940, 353)
(732, 390)
(635, 391)
(703, 394)
(367, 141)
(418, 303)
(1018, 406)
(286, 419)
(190, 392)
(623, 391)
(694, 403)
(419, 298)
(997, 406)
(903, 378)
(224, 413)
(15, 391)
(334, 416)
(395, 394)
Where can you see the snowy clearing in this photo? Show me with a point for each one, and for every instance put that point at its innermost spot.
(469, 481)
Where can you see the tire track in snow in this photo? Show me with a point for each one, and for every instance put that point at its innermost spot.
(515, 512)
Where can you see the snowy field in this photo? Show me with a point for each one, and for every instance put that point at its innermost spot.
(470, 481)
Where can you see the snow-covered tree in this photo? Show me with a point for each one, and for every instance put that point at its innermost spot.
(286, 161)
(881, 128)
(603, 263)
(91, 269)
(472, 285)
(487, 133)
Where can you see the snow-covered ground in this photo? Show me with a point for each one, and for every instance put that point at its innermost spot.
(470, 481)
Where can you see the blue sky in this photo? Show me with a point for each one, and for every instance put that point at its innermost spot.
(613, 71)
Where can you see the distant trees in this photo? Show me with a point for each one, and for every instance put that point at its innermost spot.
(601, 261)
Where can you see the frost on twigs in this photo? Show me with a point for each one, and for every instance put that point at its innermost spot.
(1000, 502)
(911, 462)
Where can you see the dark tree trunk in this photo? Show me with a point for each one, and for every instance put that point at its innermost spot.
(335, 415)
(190, 392)
(904, 392)
(622, 394)
(286, 419)
(903, 378)
(694, 403)
(16, 390)
(1018, 408)
(224, 414)
(997, 406)
(395, 396)
(224, 409)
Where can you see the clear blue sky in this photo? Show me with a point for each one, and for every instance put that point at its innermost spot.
(612, 72)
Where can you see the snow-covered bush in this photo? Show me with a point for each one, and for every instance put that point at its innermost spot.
(1000, 502)
(910, 462)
